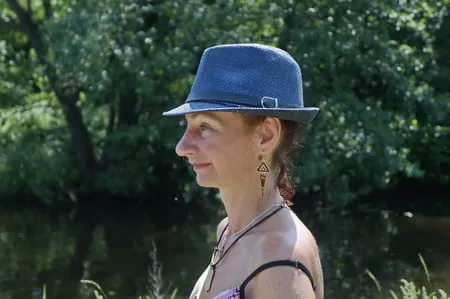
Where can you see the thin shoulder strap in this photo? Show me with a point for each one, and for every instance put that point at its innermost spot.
(263, 267)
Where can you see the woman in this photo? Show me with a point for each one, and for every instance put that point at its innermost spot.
(242, 114)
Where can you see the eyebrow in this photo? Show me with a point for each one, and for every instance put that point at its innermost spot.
(193, 116)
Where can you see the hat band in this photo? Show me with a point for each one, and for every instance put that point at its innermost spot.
(237, 99)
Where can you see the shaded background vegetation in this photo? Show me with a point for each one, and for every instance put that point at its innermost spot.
(83, 85)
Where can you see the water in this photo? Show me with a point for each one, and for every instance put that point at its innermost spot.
(385, 244)
(38, 248)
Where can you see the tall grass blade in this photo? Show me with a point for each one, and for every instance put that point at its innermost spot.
(96, 285)
(424, 265)
(393, 294)
(374, 279)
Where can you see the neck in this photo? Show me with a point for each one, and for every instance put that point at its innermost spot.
(244, 204)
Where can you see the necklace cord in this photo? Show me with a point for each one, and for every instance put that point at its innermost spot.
(243, 234)
(220, 238)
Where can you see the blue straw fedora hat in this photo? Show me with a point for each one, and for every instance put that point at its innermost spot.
(248, 78)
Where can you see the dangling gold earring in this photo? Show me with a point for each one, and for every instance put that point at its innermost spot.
(264, 171)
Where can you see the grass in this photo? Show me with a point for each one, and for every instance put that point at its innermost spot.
(157, 290)
(100, 294)
(409, 290)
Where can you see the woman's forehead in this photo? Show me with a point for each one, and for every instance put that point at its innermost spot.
(222, 117)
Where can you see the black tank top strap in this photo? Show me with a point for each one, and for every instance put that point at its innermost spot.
(265, 266)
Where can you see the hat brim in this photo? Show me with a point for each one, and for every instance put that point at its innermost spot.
(303, 115)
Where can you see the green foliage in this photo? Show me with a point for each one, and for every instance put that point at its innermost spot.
(81, 97)
(364, 65)
(156, 288)
(409, 290)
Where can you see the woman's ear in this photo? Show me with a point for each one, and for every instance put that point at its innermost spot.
(270, 134)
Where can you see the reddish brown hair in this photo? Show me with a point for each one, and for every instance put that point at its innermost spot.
(282, 157)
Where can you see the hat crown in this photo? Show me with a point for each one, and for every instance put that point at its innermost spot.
(253, 70)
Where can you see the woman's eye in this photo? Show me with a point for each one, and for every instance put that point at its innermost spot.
(204, 128)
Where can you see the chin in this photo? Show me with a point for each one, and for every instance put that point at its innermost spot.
(206, 182)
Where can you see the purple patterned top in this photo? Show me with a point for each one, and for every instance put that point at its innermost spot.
(229, 294)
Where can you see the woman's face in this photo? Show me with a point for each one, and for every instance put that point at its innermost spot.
(220, 147)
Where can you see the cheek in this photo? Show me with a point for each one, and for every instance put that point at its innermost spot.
(240, 158)
(231, 156)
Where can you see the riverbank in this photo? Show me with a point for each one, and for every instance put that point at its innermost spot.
(111, 243)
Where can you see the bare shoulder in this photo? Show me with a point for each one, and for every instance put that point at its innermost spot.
(296, 243)
(307, 252)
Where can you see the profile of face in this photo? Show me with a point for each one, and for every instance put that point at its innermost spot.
(222, 149)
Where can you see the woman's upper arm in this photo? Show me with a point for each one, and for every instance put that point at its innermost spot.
(282, 282)
(291, 282)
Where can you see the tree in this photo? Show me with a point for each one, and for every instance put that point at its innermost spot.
(85, 84)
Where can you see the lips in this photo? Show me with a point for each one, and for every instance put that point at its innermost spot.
(197, 166)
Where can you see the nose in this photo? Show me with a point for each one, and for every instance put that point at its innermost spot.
(185, 145)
